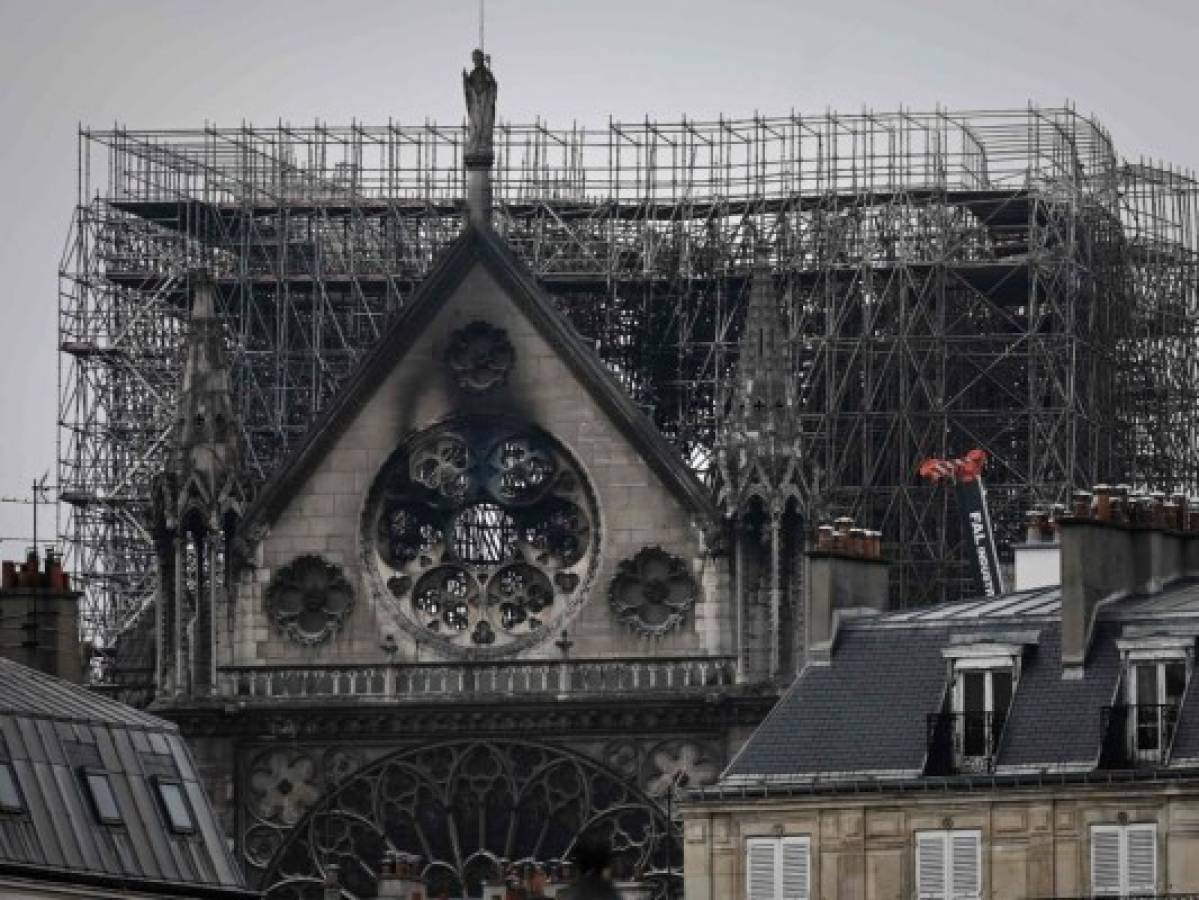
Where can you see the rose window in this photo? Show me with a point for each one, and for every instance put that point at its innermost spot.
(484, 532)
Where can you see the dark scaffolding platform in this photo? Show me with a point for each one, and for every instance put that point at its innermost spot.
(999, 279)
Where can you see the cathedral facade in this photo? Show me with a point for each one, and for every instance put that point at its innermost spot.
(483, 611)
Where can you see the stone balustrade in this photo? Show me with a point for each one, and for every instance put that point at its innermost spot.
(419, 681)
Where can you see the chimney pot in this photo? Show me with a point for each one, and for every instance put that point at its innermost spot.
(874, 545)
(1032, 526)
(857, 541)
(825, 537)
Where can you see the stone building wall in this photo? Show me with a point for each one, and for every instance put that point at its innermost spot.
(1034, 843)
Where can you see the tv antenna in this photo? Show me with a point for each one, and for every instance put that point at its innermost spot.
(38, 492)
(482, 18)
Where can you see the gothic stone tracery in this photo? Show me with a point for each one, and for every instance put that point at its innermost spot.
(484, 533)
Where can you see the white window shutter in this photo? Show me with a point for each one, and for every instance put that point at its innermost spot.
(760, 869)
(1106, 877)
(1141, 856)
(965, 854)
(796, 871)
(930, 865)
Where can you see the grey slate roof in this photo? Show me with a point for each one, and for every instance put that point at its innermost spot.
(864, 715)
(1055, 722)
(866, 712)
(1186, 740)
(50, 730)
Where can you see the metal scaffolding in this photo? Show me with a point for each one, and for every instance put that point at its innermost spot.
(999, 279)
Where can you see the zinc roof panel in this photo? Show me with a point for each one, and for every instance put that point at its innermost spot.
(156, 850)
(25, 691)
(139, 825)
(78, 831)
(221, 865)
(49, 838)
(75, 728)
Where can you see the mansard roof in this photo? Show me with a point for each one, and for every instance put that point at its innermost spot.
(864, 716)
(51, 732)
(481, 246)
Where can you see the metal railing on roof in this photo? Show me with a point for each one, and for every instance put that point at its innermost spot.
(1136, 735)
(963, 742)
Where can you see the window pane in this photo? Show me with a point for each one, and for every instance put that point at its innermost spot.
(973, 713)
(974, 691)
(1147, 684)
(10, 796)
(102, 797)
(176, 806)
(1147, 727)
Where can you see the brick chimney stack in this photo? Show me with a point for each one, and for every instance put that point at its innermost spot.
(39, 616)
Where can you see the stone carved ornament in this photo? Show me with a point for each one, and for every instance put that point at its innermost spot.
(659, 765)
(479, 356)
(465, 807)
(309, 599)
(652, 592)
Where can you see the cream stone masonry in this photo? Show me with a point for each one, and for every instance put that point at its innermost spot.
(1035, 843)
(635, 508)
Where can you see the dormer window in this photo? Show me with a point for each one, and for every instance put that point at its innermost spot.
(964, 737)
(1139, 727)
(175, 805)
(104, 802)
(1155, 692)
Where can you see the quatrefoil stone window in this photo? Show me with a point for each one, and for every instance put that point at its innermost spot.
(484, 533)
(309, 598)
(652, 592)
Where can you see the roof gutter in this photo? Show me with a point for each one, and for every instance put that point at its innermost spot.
(947, 785)
(47, 875)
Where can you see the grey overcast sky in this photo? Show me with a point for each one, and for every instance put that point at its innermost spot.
(171, 63)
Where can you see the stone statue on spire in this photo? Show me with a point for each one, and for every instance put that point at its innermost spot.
(480, 89)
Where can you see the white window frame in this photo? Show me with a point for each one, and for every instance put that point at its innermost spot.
(988, 660)
(776, 846)
(1160, 652)
(1127, 886)
(950, 890)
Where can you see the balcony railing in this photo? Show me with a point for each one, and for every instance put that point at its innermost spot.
(966, 742)
(1137, 734)
(419, 681)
